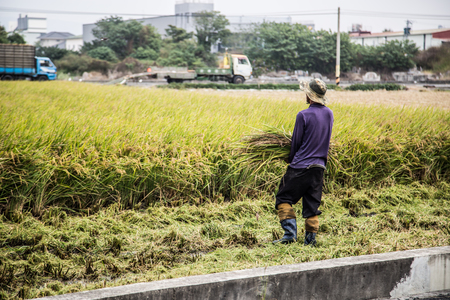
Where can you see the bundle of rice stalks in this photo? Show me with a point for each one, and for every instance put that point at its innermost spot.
(266, 145)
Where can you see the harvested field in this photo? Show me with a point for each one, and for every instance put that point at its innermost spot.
(415, 97)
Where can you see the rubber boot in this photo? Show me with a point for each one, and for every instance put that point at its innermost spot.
(310, 238)
(290, 232)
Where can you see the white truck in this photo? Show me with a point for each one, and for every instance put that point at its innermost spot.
(236, 68)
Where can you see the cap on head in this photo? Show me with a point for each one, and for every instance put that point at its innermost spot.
(315, 89)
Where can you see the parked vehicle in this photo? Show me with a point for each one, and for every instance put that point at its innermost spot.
(234, 69)
(20, 62)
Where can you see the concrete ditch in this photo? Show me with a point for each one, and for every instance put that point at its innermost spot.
(395, 275)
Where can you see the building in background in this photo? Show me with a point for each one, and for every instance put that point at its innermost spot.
(54, 39)
(424, 39)
(74, 43)
(61, 40)
(185, 12)
(31, 26)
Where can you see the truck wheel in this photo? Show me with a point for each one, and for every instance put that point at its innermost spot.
(7, 77)
(43, 78)
(238, 80)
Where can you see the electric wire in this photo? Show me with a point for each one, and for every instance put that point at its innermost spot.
(274, 14)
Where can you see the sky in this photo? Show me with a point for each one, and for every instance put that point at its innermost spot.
(374, 16)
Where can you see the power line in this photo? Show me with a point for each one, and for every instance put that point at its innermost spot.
(395, 15)
(65, 12)
(291, 13)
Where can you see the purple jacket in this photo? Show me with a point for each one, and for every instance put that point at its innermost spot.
(311, 137)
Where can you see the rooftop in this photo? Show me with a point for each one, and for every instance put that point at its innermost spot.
(396, 33)
(54, 35)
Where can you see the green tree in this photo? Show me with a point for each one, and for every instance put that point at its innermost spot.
(285, 46)
(125, 37)
(322, 56)
(103, 53)
(53, 53)
(3, 36)
(12, 38)
(391, 56)
(176, 34)
(210, 27)
(180, 54)
(145, 53)
(16, 38)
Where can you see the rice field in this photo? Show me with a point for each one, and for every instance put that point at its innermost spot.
(108, 185)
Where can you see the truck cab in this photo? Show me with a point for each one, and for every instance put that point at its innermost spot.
(45, 68)
(242, 69)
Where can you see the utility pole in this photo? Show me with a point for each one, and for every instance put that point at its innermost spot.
(407, 29)
(338, 49)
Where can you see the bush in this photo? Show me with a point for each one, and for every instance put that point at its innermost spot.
(373, 87)
(78, 64)
(436, 59)
(225, 86)
(130, 64)
(53, 53)
(147, 54)
(103, 53)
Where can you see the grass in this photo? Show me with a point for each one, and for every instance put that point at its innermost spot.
(59, 254)
(103, 186)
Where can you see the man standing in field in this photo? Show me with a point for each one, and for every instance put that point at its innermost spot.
(307, 161)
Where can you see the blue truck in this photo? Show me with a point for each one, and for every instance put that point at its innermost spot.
(20, 62)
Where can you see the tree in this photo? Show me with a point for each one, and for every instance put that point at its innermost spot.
(147, 54)
(391, 56)
(16, 38)
(210, 26)
(3, 36)
(176, 34)
(286, 46)
(125, 37)
(54, 53)
(180, 54)
(12, 38)
(103, 53)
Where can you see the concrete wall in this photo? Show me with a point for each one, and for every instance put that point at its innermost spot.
(160, 23)
(88, 36)
(389, 275)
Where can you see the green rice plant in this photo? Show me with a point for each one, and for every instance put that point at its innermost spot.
(81, 147)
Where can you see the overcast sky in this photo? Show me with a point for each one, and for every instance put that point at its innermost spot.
(425, 14)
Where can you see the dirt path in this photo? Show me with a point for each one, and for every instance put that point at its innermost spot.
(412, 97)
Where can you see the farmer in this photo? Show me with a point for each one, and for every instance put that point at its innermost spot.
(307, 161)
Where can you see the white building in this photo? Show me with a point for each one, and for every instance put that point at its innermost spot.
(74, 43)
(31, 26)
(424, 39)
(54, 39)
(62, 40)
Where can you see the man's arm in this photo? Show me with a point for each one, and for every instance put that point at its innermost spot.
(297, 136)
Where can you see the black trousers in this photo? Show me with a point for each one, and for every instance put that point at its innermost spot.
(302, 183)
